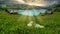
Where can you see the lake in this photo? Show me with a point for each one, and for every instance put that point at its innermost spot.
(31, 12)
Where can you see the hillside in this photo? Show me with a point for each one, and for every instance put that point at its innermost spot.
(17, 24)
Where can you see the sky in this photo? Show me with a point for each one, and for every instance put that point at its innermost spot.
(41, 3)
(37, 2)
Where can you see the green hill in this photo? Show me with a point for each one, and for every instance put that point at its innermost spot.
(17, 24)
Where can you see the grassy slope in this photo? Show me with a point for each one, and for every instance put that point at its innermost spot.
(17, 24)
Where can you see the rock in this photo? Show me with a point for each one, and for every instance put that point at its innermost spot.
(39, 26)
(30, 24)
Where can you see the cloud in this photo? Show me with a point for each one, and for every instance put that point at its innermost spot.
(38, 3)
(41, 3)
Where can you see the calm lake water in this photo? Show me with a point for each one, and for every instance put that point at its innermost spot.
(31, 12)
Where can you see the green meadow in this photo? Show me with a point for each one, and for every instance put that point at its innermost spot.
(17, 24)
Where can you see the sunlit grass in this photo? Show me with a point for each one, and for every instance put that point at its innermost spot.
(17, 24)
